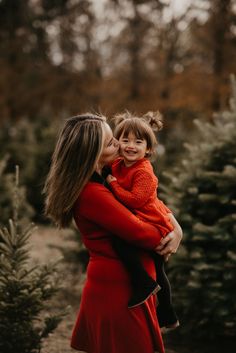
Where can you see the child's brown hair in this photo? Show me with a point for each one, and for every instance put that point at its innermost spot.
(142, 127)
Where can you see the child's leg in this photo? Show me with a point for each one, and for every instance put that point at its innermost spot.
(165, 311)
(143, 285)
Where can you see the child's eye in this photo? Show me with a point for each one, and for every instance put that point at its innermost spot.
(139, 141)
(124, 140)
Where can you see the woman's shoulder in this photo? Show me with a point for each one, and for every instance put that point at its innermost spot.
(91, 189)
(91, 194)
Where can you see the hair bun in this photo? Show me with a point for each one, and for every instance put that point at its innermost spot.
(154, 119)
(118, 118)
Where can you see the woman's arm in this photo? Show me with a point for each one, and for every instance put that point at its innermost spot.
(169, 244)
(175, 223)
(98, 205)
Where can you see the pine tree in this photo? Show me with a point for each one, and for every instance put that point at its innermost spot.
(24, 291)
(6, 191)
(202, 193)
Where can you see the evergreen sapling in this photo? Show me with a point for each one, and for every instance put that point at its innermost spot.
(24, 290)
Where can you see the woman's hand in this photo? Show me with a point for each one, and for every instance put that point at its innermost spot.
(166, 257)
(110, 178)
(169, 244)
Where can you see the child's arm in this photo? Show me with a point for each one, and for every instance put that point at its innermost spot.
(165, 207)
(143, 187)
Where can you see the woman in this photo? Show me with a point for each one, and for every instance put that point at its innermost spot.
(76, 189)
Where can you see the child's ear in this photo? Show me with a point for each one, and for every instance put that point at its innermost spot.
(147, 152)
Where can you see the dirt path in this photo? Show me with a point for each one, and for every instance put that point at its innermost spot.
(44, 248)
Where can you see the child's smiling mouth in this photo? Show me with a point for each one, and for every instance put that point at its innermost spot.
(130, 152)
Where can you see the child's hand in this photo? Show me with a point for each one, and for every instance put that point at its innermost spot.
(110, 178)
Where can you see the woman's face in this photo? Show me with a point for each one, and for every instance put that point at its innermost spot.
(110, 148)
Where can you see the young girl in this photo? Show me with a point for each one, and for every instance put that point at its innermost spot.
(134, 183)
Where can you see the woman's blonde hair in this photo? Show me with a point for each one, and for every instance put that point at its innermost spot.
(74, 160)
(143, 127)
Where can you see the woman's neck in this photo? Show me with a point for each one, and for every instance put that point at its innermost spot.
(99, 170)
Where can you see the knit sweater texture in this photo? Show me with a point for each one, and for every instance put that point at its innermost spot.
(137, 188)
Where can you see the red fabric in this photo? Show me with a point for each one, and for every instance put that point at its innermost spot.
(104, 323)
(136, 187)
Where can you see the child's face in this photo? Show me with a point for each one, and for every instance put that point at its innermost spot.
(132, 148)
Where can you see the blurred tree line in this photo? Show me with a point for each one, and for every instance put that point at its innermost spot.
(59, 58)
(30, 145)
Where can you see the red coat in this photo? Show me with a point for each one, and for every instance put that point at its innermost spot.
(104, 323)
(136, 187)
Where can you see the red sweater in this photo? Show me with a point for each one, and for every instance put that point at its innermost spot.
(136, 187)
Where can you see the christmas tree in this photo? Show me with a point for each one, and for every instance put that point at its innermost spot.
(7, 188)
(24, 290)
(202, 193)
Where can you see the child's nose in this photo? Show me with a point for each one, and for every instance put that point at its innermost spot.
(131, 144)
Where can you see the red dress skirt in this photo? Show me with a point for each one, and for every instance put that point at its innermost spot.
(105, 324)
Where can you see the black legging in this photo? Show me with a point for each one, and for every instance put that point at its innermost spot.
(129, 255)
(164, 294)
(165, 311)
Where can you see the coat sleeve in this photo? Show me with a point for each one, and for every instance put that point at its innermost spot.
(144, 185)
(98, 205)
